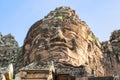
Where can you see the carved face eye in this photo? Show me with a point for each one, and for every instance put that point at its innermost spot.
(52, 31)
(40, 43)
(69, 33)
(45, 33)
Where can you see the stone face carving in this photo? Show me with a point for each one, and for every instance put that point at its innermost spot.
(63, 38)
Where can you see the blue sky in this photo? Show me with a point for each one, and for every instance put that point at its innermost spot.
(17, 16)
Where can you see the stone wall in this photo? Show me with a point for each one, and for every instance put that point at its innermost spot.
(9, 52)
(111, 52)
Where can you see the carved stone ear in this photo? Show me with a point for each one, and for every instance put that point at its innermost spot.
(89, 47)
(27, 47)
(74, 44)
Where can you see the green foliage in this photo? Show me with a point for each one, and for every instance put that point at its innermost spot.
(59, 17)
(95, 39)
(89, 37)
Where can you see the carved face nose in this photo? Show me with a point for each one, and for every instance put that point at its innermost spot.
(58, 36)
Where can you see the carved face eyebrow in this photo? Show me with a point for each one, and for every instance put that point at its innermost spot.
(69, 29)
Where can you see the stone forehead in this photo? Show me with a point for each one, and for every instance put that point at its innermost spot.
(60, 17)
